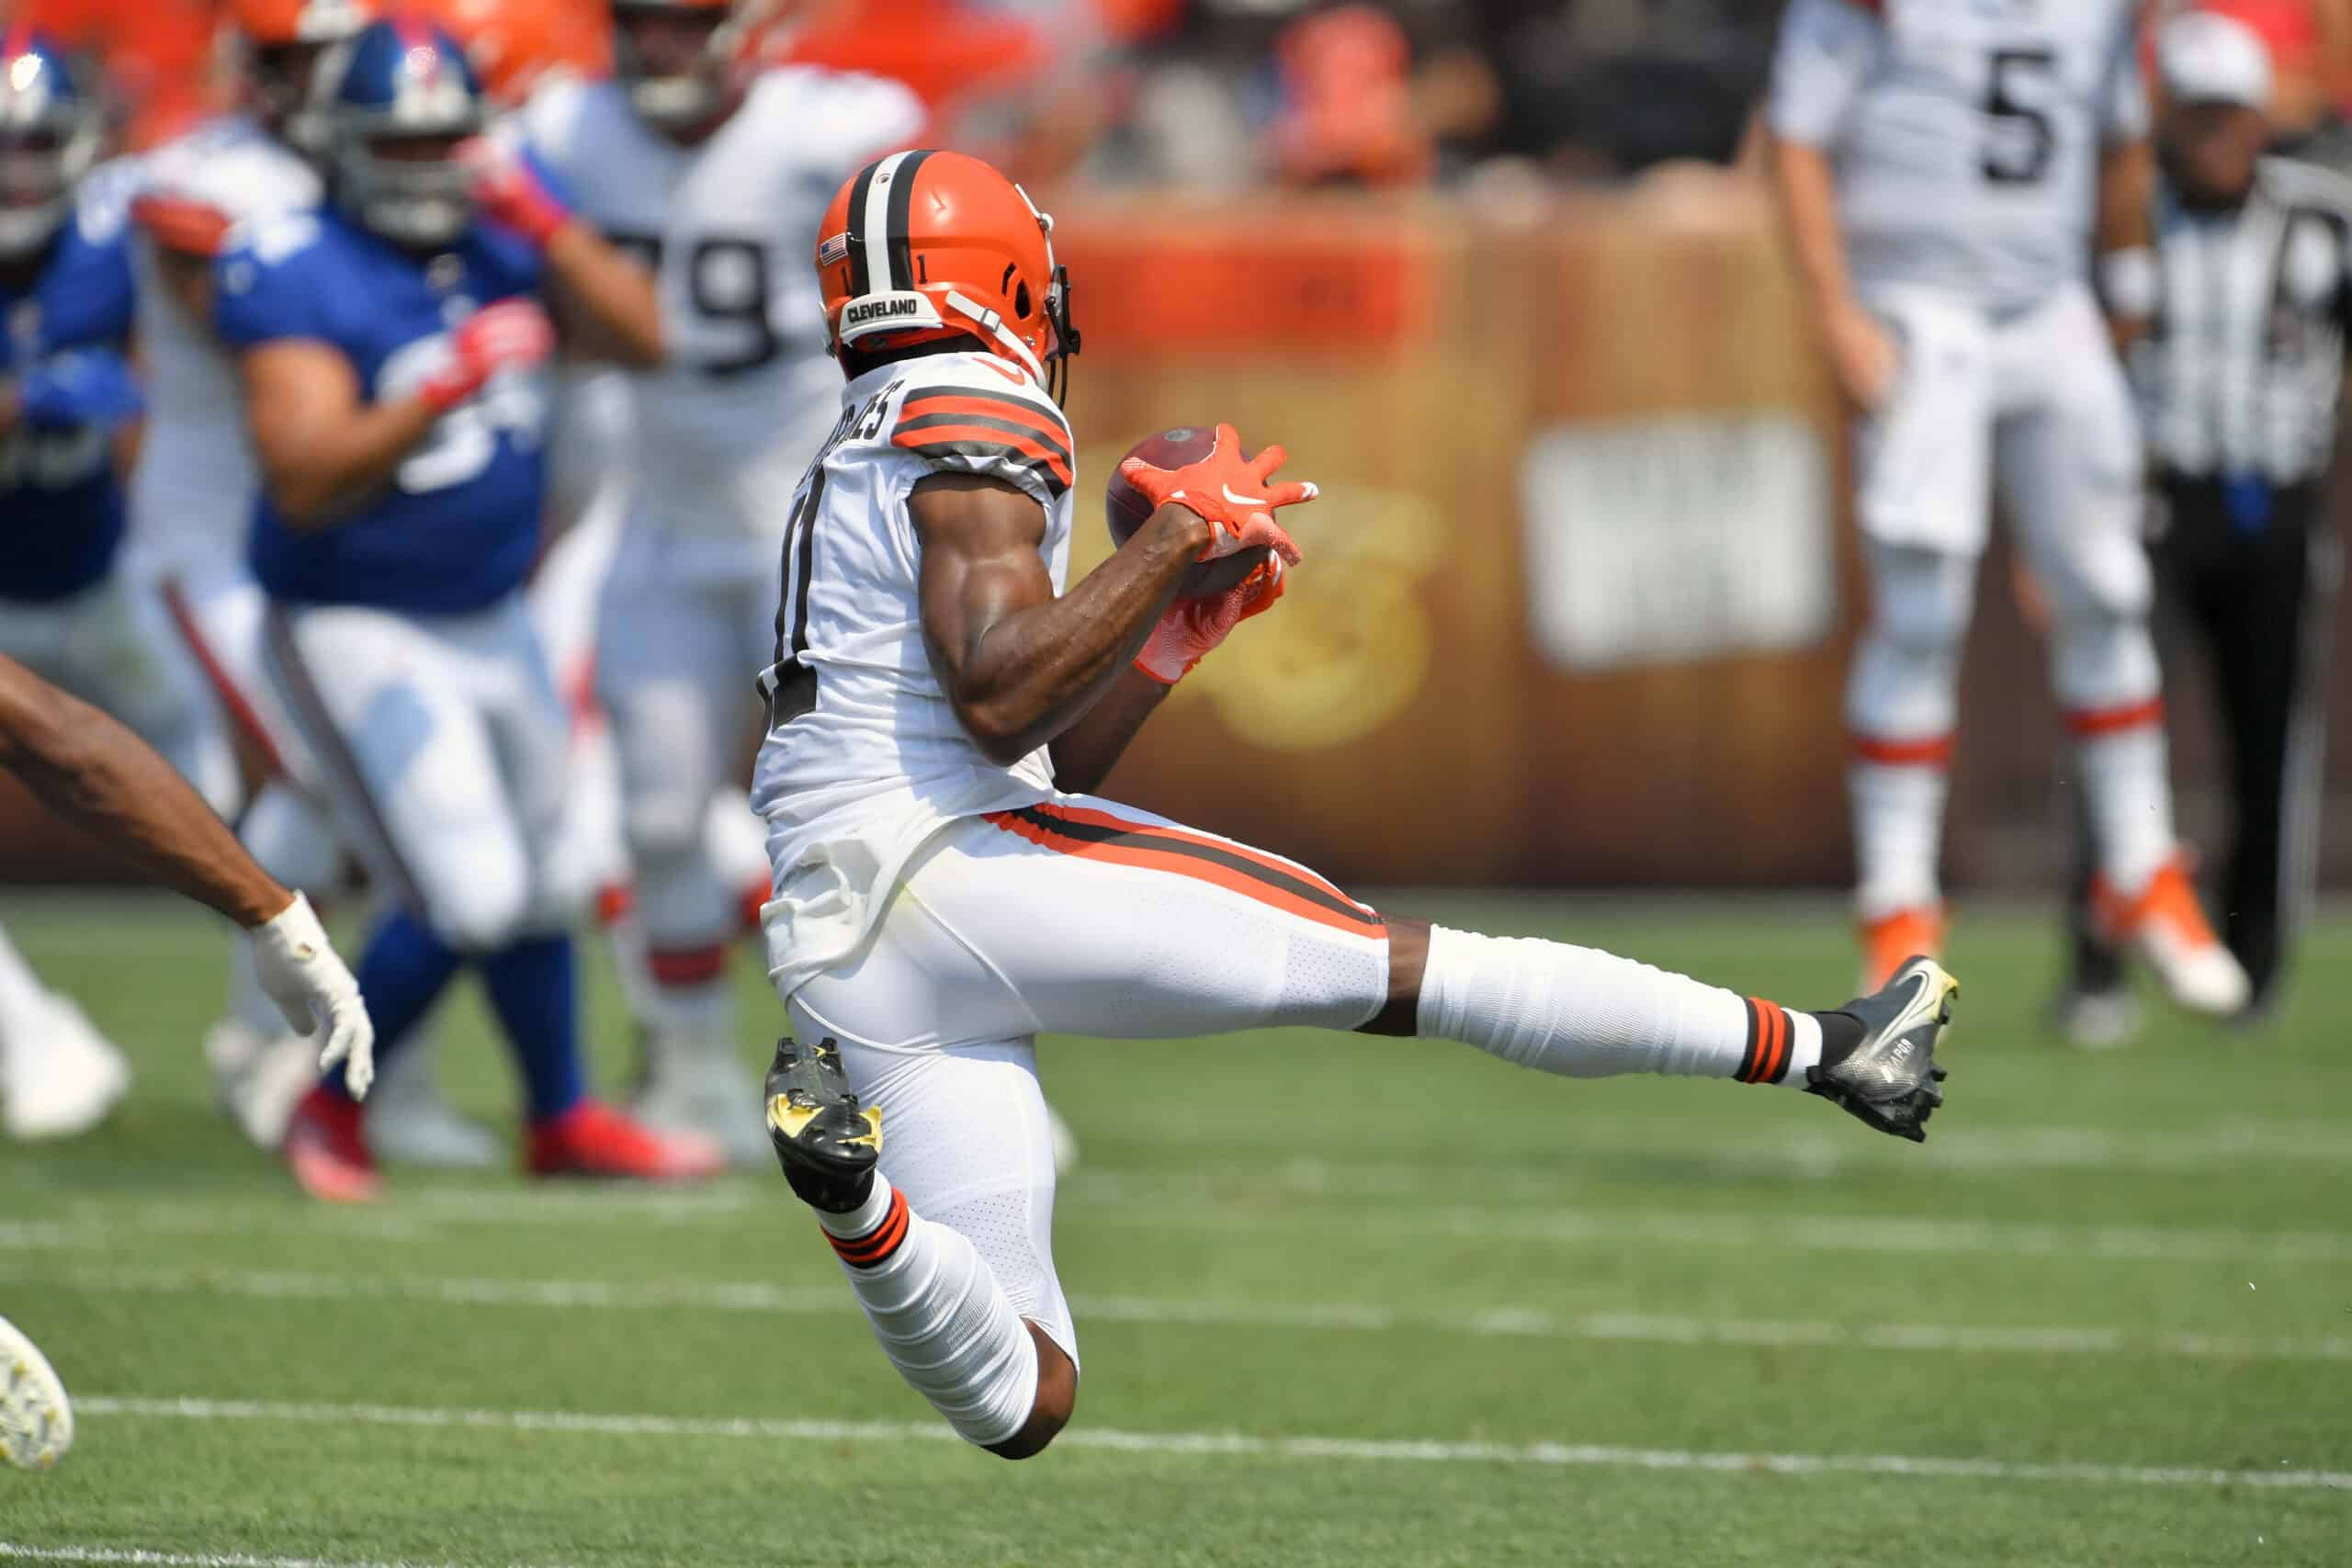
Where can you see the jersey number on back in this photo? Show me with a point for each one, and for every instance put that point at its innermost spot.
(2019, 138)
(727, 285)
(789, 687)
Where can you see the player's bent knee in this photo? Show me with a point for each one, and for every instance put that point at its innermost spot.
(1057, 1398)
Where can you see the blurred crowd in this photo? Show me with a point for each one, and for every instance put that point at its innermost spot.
(1227, 94)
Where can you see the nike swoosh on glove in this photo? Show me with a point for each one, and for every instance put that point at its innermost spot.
(1231, 493)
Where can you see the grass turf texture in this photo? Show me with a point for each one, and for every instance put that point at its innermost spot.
(2132, 1260)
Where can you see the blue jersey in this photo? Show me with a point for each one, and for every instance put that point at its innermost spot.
(457, 527)
(61, 501)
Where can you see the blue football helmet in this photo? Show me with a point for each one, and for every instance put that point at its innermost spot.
(393, 102)
(51, 128)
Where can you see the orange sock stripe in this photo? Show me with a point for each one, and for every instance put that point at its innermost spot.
(1146, 849)
(2090, 722)
(687, 967)
(865, 1251)
(1768, 1041)
(1935, 752)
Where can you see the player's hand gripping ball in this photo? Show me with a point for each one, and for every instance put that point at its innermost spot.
(1205, 472)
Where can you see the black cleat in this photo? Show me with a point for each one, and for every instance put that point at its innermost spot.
(826, 1142)
(1889, 1080)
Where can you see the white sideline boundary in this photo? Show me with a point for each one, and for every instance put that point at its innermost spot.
(141, 1557)
(763, 1297)
(1228, 1445)
(87, 1225)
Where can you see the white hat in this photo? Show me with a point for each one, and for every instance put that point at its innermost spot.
(2205, 58)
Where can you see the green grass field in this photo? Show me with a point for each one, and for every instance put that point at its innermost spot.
(1340, 1302)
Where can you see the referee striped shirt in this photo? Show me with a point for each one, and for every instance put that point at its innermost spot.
(2239, 373)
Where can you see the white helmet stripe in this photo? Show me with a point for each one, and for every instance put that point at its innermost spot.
(874, 228)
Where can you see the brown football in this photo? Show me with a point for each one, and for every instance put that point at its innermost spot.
(1127, 510)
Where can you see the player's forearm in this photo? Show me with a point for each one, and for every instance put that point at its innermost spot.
(321, 468)
(1806, 188)
(1034, 675)
(98, 775)
(1085, 753)
(605, 295)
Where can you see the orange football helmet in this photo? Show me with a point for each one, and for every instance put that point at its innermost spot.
(275, 43)
(922, 245)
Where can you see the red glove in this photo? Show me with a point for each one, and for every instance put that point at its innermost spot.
(1189, 629)
(513, 335)
(508, 190)
(1228, 492)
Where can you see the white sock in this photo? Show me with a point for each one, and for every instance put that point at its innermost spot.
(1588, 1014)
(1898, 831)
(941, 1317)
(2128, 796)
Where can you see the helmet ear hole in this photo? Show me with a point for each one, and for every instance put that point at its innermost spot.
(1021, 301)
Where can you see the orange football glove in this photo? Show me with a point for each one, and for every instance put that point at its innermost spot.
(1190, 629)
(1228, 493)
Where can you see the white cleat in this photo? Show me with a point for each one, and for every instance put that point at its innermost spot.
(2098, 1020)
(62, 1076)
(260, 1079)
(410, 1124)
(2166, 928)
(36, 1418)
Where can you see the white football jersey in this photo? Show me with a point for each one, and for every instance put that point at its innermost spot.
(726, 427)
(864, 758)
(192, 492)
(1966, 133)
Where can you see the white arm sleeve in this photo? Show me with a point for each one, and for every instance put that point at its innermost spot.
(2126, 107)
(1826, 49)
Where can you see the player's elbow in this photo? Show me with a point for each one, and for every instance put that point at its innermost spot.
(1004, 734)
(302, 498)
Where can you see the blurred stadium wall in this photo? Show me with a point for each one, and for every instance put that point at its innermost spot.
(1578, 600)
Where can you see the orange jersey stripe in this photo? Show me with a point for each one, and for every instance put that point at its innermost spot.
(918, 404)
(1036, 449)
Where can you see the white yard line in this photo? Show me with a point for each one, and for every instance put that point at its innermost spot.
(140, 1557)
(759, 1296)
(90, 1225)
(768, 1429)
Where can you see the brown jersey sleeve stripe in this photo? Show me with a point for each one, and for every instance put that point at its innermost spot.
(1041, 419)
(1004, 428)
(987, 457)
(1097, 836)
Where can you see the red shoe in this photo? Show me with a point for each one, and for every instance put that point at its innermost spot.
(1893, 939)
(593, 1139)
(327, 1151)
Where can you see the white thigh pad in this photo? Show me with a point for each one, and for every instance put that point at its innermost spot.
(1921, 463)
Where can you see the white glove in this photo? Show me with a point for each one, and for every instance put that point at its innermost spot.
(299, 970)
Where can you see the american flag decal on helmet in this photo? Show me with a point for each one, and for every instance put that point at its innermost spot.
(832, 248)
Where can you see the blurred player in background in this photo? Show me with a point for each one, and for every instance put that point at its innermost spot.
(1943, 172)
(390, 348)
(942, 896)
(191, 505)
(69, 408)
(2249, 295)
(716, 173)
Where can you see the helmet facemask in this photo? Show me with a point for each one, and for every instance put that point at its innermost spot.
(1064, 342)
(395, 169)
(50, 138)
(675, 61)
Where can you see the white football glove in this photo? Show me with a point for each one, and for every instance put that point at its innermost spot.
(297, 967)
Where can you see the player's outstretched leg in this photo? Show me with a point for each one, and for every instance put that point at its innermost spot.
(944, 1317)
(1584, 1013)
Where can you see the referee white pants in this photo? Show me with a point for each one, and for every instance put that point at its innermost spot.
(1079, 917)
